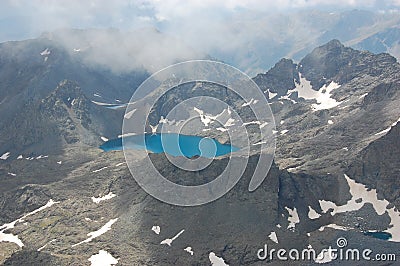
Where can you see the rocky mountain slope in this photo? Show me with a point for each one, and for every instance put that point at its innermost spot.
(334, 176)
(31, 69)
(65, 116)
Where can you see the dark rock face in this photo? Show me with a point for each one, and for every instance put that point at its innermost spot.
(325, 62)
(334, 60)
(378, 166)
(15, 203)
(33, 257)
(381, 92)
(280, 78)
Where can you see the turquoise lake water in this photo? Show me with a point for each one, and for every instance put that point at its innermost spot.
(173, 144)
(379, 235)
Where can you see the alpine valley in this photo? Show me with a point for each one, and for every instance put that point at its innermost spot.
(64, 201)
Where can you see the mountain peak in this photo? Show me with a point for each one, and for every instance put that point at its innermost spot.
(332, 44)
(280, 78)
(335, 62)
(327, 61)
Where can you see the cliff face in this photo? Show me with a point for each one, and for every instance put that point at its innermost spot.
(279, 79)
(377, 166)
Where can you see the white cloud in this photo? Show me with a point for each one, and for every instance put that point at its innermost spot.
(45, 15)
(236, 31)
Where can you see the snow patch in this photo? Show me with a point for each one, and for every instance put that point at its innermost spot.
(168, 122)
(11, 174)
(102, 104)
(169, 241)
(330, 122)
(92, 235)
(252, 101)
(324, 100)
(312, 214)
(10, 238)
(273, 237)
(324, 256)
(105, 197)
(230, 122)
(260, 143)
(4, 237)
(387, 129)
(383, 131)
(287, 96)
(293, 218)
(163, 120)
(103, 258)
(129, 114)
(358, 191)
(42, 247)
(189, 250)
(45, 52)
(252, 123)
(216, 261)
(334, 226)
(304, 88)
(111, 105)
(322, 96)
(270, 94)
(283, 132)
(153, 129)
(98, 170)
(263, 125)
(156, 229)
(207, 119)
(5, 156)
